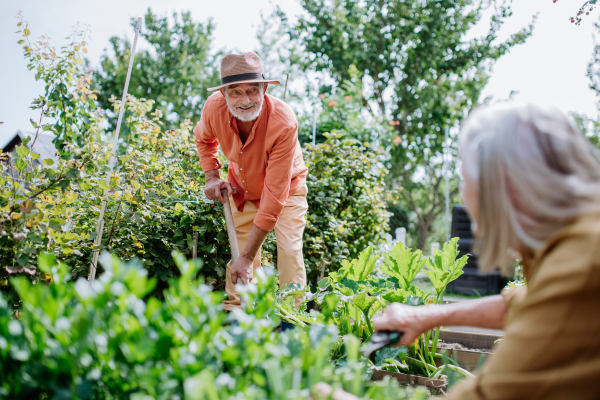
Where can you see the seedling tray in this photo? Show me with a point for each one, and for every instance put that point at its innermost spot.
(412, 379)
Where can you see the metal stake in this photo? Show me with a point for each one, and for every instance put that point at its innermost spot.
(112, 163)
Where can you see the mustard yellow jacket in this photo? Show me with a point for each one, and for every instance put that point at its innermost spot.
(551, 348)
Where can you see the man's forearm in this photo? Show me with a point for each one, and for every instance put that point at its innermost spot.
(257, 237)
(212, 174)
(488, 312)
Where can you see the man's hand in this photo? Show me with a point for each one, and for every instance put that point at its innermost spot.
(214, 185)
(242, 269)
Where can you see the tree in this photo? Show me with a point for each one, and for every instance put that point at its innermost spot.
(590, 126)
(174, 73)
(586, 9)
(418, 71)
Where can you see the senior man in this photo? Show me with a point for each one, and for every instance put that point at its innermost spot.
(258, 134)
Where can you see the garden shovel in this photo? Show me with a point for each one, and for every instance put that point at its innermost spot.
(235, 250)
(379, 340)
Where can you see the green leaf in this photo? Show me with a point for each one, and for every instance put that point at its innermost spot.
(358, 269)
(390, 353)
(20, 164)
(179, 209)
(22, 151)
(396, 296)
(404, 264)
(444, 268)
(48, 161)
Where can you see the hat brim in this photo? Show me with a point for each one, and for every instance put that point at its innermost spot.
(273, 82)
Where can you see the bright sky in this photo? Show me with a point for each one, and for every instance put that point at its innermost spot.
(550, 68)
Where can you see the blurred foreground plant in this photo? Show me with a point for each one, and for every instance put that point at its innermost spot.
(110, 340)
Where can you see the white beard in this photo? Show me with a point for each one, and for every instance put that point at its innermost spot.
(250, 117)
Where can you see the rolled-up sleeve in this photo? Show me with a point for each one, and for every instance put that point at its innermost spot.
(277, 180)
(207, 143)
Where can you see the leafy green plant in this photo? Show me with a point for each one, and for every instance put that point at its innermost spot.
(110, 340)
(346, 202)
(68, 99)
(352, 296)
(403, 264)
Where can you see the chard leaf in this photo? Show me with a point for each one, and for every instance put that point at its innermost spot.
(443, 267)
(396, 296)
(390, 353)
(404, 264)
(358, 269)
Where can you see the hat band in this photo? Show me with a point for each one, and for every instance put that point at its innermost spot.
(241, 77)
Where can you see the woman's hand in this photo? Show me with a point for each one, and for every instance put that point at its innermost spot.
(410, 320)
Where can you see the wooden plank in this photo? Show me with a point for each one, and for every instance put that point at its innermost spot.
(470, 340)
(412, 379)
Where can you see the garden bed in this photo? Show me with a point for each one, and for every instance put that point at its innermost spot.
(469, 350)
(472, 341)
(439, 384)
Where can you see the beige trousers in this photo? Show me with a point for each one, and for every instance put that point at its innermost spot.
(288, 234)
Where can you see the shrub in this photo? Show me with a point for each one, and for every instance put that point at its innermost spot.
(155, 204)
(82, 341)
(347, 203)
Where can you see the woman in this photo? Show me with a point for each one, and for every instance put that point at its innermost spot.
(532, 187)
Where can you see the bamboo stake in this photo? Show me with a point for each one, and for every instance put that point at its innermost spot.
(112, 163)
(287, 76)
(195, 246)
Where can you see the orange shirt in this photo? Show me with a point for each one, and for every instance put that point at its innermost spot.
(268, 168)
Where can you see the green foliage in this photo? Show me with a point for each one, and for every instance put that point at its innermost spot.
(174, 73)
(346, 203)
(404, 264)
(350, 297)
(155, 204)
(109, 340)
(443, 267)
(68, 99)
(417, 69)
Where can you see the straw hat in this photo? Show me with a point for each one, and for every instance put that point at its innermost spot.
(245, 68)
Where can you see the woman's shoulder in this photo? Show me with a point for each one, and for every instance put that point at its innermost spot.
(573, 255)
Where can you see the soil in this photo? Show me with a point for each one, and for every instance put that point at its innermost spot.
(458, 346)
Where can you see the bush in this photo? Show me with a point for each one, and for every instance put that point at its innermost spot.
(347, 203)
(155, 203)
(82, 341)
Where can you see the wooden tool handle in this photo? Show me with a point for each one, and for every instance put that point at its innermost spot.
(235, 250)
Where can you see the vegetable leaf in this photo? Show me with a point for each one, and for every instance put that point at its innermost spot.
(404, 264)
(444, 268)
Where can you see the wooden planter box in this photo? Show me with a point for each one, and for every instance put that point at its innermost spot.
(476, 341)
(412, 379)
(479, 345)
(467, 359)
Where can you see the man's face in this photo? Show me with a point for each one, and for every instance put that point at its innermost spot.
(245, 100)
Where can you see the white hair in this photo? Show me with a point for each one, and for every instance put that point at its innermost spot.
(536, 173)
(253, 116)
